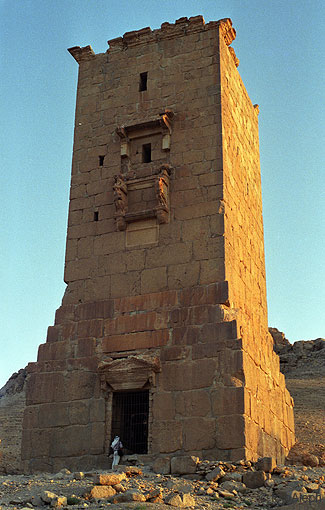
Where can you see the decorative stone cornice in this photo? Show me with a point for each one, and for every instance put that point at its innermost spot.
(81, 54)
(130, 373)
(181, 27)
(163, 122)
(227, 30)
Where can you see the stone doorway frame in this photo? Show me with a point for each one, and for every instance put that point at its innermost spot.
(135, 373)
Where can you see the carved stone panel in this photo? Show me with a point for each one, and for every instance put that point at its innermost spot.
(138, 199)
(131, 373)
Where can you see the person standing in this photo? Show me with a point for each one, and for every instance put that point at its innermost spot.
(116, 447)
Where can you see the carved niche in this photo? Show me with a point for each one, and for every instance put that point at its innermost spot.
(132, 373)
(141, 190)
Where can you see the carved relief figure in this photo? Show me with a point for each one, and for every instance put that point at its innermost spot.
(120, 195)
(161, 192)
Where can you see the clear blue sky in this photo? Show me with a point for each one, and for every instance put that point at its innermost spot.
(280, 47)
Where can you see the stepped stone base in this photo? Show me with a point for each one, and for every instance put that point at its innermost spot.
(178, 344)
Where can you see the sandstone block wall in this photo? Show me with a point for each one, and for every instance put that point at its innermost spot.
(268, 408)
(164, 261)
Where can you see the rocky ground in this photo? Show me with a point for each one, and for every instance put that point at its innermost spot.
(214, 485)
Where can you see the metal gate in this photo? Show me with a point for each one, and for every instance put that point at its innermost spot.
(130, 415)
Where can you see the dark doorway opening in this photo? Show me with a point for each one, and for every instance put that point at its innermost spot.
(130, 415)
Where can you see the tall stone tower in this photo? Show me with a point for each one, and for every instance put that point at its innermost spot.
(162, 336)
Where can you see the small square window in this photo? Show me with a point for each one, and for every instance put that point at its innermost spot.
(146, 153)
(143, 82)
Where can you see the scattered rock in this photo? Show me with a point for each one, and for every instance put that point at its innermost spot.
(179, 485)
(180, 500)
(226, 494)
(58, 501)
(129, 496)
(232, 477)
(286, 486)
(102, 491)
(266, 464)
(109, 478)
(233, 486)
(254, 479)
(310, 460)
(47, 496)
(215, 474)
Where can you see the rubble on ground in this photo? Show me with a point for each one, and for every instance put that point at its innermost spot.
(214, 485)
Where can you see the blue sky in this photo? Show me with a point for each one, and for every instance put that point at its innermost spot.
(280, 47)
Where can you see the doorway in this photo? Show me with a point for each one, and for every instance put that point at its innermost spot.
(130, 414)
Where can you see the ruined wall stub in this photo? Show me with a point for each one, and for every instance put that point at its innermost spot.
(164, 262)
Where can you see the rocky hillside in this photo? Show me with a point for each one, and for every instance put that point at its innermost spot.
(12, 405)
(303, 364)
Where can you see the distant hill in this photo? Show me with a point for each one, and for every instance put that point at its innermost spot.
(303, 364)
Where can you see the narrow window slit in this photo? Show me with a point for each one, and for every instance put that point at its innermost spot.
(96, 215)
(143, 82)
(146, 153)
(101, 160)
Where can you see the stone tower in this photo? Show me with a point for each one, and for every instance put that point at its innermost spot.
(162, 336)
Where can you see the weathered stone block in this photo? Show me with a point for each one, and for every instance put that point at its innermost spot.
(230, 431)
(167, 436)
(187, 376)
(81, 385)
(90, 328)
(164, 406)
(215, 474)
(266, 464)
(96, 310)
(109, 478)
(131, 341)
(162, 465)
(184, 465)
(153, 280)
(228, 401)
(194, 438)
(183, 275)
(102, 492)
(254, 479)
(193, 403)
(53, 415)
(43, 388)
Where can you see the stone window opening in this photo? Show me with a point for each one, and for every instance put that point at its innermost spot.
(146, 153)
(143, 82)
(130, 417)
(101, 160)
(96, 216)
